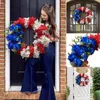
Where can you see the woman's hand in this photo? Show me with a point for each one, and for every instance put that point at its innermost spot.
(54, 39)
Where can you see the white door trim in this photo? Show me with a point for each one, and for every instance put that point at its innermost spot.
(7, 52)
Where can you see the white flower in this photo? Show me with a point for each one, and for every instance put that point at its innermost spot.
(35, 36)
(36, 41)
(87, 9)
(82, 21)
(26, 21)
(25, 52)
(82, 79)
(37, 24)
(36, 53)
(82, 8)
(47, 25)
(10, 32)
(45, 40)
(90, 16)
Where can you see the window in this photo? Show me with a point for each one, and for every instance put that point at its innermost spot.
(75, 27)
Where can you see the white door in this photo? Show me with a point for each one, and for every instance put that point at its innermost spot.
(81, 92)
(77, 92)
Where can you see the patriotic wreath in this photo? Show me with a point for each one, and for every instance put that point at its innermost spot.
(82, 79)
(82, 48)
(78, 15)
(16, 31)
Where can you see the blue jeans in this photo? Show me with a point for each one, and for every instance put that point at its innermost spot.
(29, 81)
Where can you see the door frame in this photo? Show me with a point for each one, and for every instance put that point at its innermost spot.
(8, 87)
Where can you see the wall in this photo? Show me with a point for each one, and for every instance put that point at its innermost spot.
(2, 57)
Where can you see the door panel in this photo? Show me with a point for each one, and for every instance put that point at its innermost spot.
(25, 8)
(81, 92)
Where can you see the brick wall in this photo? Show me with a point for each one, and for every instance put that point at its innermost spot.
(2, 22)
(63, 49)
(18, 95)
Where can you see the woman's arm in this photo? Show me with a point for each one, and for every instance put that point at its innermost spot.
(57, 34)
(56, 37)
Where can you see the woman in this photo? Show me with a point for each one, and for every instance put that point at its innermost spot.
(29, 82)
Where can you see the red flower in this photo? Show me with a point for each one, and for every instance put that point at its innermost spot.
(82, 84)
(88, 19)
(84, 20)
(82, 75)
(40, 35)
(86, 83)
(20, 21)
(31, 49)
(92, 36)
(31, 21)
(41, 48)
(86, 77)
(97, 39)
(79, 74)
(41, 28)
(89, 13)
(84, 8)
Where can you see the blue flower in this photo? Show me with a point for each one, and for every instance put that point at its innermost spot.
(16, 39)
(12, 28)
(9, 37)
(78, 79)
(89, 49)
(18, 26)
(76, 17)
(80, 52)
(88, 41)
(76, 48)
(85, 56)
(78, 62)
(77, 11)
(71, 57)
(15, 28)
(13, 38)
(10, 45)
(93, 43)
(16, 46)
(19, 33)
